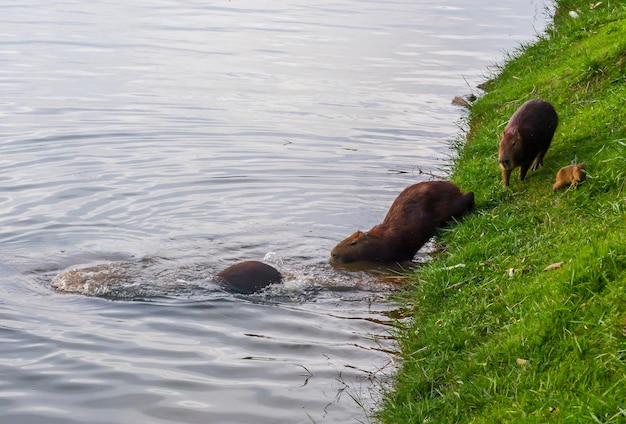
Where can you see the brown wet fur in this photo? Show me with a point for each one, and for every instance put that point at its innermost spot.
(414, 217)
(248, 276)
(526, 138)
(570, 175)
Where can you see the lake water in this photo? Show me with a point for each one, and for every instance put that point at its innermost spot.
(168, 140)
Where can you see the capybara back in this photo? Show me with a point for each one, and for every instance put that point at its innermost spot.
(248, 276)
(570, 175)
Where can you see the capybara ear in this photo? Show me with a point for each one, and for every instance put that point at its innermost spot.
(359, 236)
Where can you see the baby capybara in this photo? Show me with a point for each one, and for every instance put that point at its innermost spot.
(248, 277)
(526, 138)
(414, 217)
(570, 175)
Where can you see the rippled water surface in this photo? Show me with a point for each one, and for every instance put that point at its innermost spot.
(168, 140)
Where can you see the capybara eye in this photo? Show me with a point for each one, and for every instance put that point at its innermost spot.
(353, 243)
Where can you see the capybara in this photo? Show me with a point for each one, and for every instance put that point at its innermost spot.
(526, 138)
(248, 277)
(414, 217)
(570, 175)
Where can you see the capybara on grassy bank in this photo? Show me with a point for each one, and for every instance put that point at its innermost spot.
(248, 277)
(414, 217)
(570, 175)
(526, 138)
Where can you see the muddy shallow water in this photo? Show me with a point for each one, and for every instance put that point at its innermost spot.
(165, 141)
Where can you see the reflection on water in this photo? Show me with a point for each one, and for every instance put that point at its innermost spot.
(169, 141)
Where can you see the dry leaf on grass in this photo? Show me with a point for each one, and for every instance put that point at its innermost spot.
(553, 266)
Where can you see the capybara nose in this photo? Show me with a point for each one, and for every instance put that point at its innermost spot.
(506, 163)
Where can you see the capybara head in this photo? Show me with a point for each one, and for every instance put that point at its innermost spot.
(360, 246)
(511, 150)
(570, 175)
(248, 277)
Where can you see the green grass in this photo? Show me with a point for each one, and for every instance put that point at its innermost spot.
(515, 343)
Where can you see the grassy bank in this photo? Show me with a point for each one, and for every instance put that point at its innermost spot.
(493, 335)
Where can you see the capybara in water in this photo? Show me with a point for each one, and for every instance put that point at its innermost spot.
(248, 277)
(526, 138)
(570, 175)
(412, 220)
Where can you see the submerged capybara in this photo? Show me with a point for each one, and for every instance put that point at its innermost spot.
(570, 175)
(526, 138)
(414, 217)
(248, 277)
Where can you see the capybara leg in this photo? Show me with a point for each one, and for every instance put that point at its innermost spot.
(522, 172)
(506, 176)
(538, 163)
